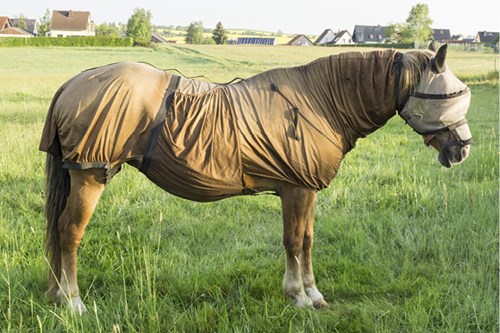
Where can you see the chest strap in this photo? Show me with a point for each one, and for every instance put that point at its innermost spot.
(158, 123)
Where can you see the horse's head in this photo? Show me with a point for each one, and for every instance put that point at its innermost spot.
(436, 108)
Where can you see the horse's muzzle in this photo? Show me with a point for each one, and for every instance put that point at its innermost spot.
(453, 155)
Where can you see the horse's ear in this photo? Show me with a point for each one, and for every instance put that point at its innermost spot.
(437, 64)
(432, 46)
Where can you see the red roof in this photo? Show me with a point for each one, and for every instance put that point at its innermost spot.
(15, 31)
(5, 22)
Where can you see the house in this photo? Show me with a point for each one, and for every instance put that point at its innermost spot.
(256, 41)
(15, 32)
(460, 39)
(30, 25)
(326, 37)
(71, 23)
(5, 22)
(342, 38)
(486, 37)
(441, 35)
(7, 29)
(300, 40)
(369, 34)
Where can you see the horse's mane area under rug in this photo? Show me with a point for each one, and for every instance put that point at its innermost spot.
(293, 124)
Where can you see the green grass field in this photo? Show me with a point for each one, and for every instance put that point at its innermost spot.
(402, 244)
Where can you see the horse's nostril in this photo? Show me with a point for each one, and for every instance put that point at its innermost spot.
(465, 152)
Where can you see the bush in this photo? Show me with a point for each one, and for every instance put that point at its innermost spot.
(66, 41)
(142, 42)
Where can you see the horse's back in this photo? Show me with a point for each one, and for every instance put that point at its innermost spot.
(102, 116)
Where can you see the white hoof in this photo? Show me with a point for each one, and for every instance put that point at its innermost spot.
(316, 297)
(302, 301)
(76, 305)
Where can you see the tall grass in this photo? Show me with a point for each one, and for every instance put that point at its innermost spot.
(402, 244)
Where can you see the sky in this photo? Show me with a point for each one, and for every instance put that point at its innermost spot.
(309, 17)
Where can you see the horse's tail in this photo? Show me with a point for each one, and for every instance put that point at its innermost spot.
(57, 187)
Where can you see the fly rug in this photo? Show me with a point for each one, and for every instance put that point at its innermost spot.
(284, 131)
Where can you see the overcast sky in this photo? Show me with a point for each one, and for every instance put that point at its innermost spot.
(290, 16)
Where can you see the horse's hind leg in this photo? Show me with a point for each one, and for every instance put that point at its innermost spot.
(86, 188)
(298, 220)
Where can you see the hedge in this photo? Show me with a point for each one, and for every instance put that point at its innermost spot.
(66, 41)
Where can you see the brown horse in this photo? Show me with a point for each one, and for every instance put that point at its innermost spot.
(284, 131)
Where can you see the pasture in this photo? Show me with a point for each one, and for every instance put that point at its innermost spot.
(402, 244)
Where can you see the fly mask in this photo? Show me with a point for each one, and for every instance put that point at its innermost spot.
(440, 101)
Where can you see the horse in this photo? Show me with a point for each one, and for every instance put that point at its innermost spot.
(284, 131)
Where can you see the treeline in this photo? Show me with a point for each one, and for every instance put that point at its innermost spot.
(67, 41)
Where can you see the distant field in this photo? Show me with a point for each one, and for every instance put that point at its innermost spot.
(402, 244)
(232, 34)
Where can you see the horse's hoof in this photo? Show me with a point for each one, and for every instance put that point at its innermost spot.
(76, 305)
(321, 304)
(303, 302)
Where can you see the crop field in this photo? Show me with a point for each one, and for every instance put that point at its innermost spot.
(402, 244)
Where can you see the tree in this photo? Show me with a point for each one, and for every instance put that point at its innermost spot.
(219, 34)
(396, 32)
(107, 30)
(195, 33)
(44, 25)
(139, 26)
(418, 24)
(22, 22)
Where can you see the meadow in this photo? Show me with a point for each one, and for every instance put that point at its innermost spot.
(402, 244)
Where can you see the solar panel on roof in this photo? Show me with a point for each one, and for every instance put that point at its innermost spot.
(256, 40)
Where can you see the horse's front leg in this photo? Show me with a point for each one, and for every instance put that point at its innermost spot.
(306, 265)
(298, 223)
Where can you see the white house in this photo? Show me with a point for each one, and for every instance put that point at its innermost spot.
(71, 23)
(326, 37)
(342, 38)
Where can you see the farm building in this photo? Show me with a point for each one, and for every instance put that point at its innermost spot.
(157, 38)
(300, 40)
(369, 34)
(441, 35)
(256, 41)
(326, 37)
(71, 23)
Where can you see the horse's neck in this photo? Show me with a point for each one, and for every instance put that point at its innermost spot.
(411, 66)
(354, 93)
(364, 87)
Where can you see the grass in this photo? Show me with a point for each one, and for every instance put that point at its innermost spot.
(402, 244)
